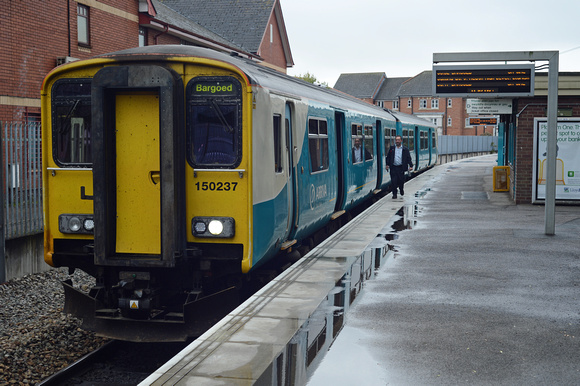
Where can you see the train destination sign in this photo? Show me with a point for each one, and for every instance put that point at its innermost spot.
(214, 88)
(484, 80)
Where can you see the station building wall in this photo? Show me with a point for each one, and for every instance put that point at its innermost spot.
(524, 158)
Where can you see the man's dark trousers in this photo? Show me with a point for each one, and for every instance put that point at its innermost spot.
(397, 179)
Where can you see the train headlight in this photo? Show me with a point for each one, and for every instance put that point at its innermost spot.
(221, 227)
(89, 224)
(215, 227)
(76, 223)
(199, 227)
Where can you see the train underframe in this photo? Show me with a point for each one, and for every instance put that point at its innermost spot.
(143, 304)
(138, 303)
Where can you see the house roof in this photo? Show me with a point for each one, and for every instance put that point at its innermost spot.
(419, 85)
(242, 22)
(361, 85)
(390, 89)
(167, 15)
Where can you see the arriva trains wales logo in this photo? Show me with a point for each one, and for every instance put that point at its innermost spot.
(317, 193)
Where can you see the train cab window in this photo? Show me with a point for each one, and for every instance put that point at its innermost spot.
(71, 122)
(318, 144)
(214, 122)
(368, 143)
(277, 126)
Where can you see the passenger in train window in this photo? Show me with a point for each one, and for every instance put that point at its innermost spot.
(358, 150)
(398, 161)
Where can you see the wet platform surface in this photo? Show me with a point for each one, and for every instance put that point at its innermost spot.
(476, 293)
(473, 293)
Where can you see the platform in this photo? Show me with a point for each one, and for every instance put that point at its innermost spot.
(475, 292)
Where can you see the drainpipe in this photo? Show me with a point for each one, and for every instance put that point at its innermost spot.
(160, 33)
(68, 25)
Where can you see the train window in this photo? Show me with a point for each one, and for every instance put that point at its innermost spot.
(71, 122)
(368, 143)
(318, 144)
(214, 122)
(411, 140)
(277, 125)
(357, 143)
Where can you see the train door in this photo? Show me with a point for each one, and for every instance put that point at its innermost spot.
(416, 149)
(138, 165)
(289, 166)
(339, 124)
(432, 147)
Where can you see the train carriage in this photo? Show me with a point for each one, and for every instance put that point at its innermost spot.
(173, 173)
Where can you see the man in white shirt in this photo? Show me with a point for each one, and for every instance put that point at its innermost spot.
(398, 160)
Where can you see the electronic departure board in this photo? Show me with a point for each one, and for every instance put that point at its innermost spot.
(484, 80)
(477, 121)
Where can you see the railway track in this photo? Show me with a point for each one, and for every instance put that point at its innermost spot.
(117, 362)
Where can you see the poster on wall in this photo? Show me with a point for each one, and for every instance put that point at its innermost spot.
(567, 159)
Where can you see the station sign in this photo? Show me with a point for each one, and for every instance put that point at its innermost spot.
(488, 106)
(567, 160)
(480, 121)
(483, 81)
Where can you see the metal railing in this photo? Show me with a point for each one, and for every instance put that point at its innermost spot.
(456, 144)
(22, 182)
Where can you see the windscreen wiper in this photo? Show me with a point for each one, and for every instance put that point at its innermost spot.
(221, 116)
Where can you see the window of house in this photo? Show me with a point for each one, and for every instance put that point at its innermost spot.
(142, 37)
(449, 102)
(449, 120)
(396, 104)
(83, 25)
(423, 103)
(434, 103)
(409, 102)
(318, 144)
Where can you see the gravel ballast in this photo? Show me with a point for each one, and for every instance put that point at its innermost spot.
(36, 338)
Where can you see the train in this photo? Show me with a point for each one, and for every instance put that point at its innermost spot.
(175, 175)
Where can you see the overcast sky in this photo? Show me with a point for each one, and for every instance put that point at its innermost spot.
(330, 37)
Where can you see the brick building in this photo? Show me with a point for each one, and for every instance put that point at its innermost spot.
(37, 36)
(412, 95)
(520, 155)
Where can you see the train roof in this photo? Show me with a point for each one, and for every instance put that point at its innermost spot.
(266, 77)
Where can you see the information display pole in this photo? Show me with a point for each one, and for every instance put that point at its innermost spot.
(550, 202)
(508, 87)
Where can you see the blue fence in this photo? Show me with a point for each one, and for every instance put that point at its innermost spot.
(455, 144)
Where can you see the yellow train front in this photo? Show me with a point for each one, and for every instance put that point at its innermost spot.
(125, 137)
(174, 173)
